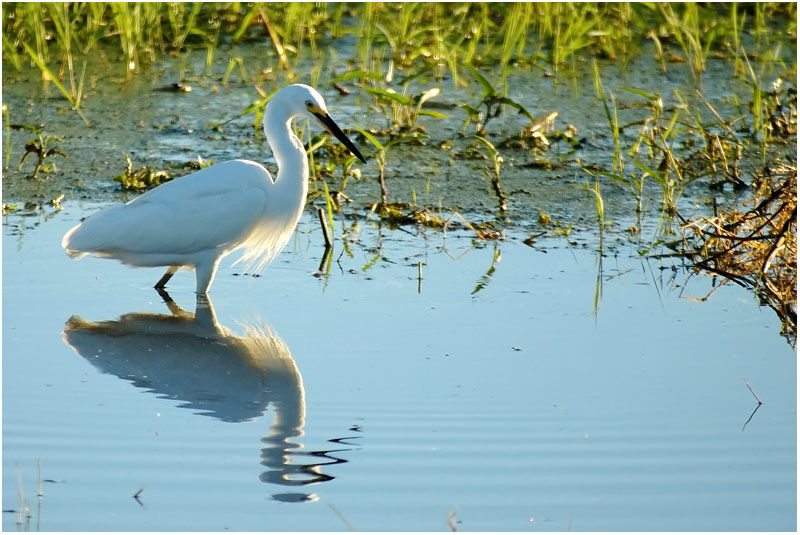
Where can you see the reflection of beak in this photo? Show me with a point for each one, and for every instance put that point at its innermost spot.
(328, 123)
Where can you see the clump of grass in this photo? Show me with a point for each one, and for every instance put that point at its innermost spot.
(492, 102)
(404, 111)
(380, 157)
(534, 135)
(656, 152)
(685, 27)
(756, 248)
(147, 177)
(42, 148)
(611, 117)
(775, 111)
(142, 178)
(403, 213)
(494, 173)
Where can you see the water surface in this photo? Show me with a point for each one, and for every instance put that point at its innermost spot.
(368, 399)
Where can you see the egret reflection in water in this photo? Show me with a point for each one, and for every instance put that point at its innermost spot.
(213, 372)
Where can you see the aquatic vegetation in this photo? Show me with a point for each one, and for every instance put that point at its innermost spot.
(327, 225)
(403, 111)
(686, 29)
(147, 177)
(403, 213)
(775, 111)
(405, 34)
(677, 148)
(599, 208)
(198, 164)
(494, 173)
(757, 248)
(142, 178)
(41, 147)
(492, 101)
(534, 135)
(380, 156)
(483, 282)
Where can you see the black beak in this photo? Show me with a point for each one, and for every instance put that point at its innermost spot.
(328, 123)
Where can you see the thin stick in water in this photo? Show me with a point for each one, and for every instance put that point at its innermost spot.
(39, 490)
(751, 391)
(20, 495)
(137, 498)
(341, 516)
(325, 230)
(758, 406)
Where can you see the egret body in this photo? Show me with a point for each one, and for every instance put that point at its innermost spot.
(194, 221)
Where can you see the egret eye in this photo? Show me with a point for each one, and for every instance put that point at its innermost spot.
(309, 104)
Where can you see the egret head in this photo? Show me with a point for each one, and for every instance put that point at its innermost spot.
(313, 106)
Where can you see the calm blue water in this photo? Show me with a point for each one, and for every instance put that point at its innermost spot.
(363, 400)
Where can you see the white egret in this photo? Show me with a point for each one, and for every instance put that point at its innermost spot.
(194, 221)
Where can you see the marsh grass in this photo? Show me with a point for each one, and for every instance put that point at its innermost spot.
(401, 36)
(493, 173)
(398, 46)
(401, 56)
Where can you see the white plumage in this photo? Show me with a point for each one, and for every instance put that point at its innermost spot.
(196, 220)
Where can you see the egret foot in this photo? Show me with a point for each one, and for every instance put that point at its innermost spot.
(162, 282)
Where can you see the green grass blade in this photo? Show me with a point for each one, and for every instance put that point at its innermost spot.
(369, 137)
(435, 114)
(357, 75)
(51, 77)
(404, 139)
(488, 144)
(386, 94)
(488, 89)
(246, 22)
(639, 92)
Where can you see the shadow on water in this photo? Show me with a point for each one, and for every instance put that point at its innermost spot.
(193, 359)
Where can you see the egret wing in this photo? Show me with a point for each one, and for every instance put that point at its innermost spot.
(204, 222)
(210, 209)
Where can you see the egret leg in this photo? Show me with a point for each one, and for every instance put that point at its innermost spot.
(204, 313)
(171, 305)
(205, 275)
(162, 282)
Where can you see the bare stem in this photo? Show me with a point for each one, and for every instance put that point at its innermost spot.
(325, 230)
(752, 392)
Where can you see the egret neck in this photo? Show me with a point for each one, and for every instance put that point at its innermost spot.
(291, 184)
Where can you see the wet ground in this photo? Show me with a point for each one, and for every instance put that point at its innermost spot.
(165, 129)
(414, 379)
